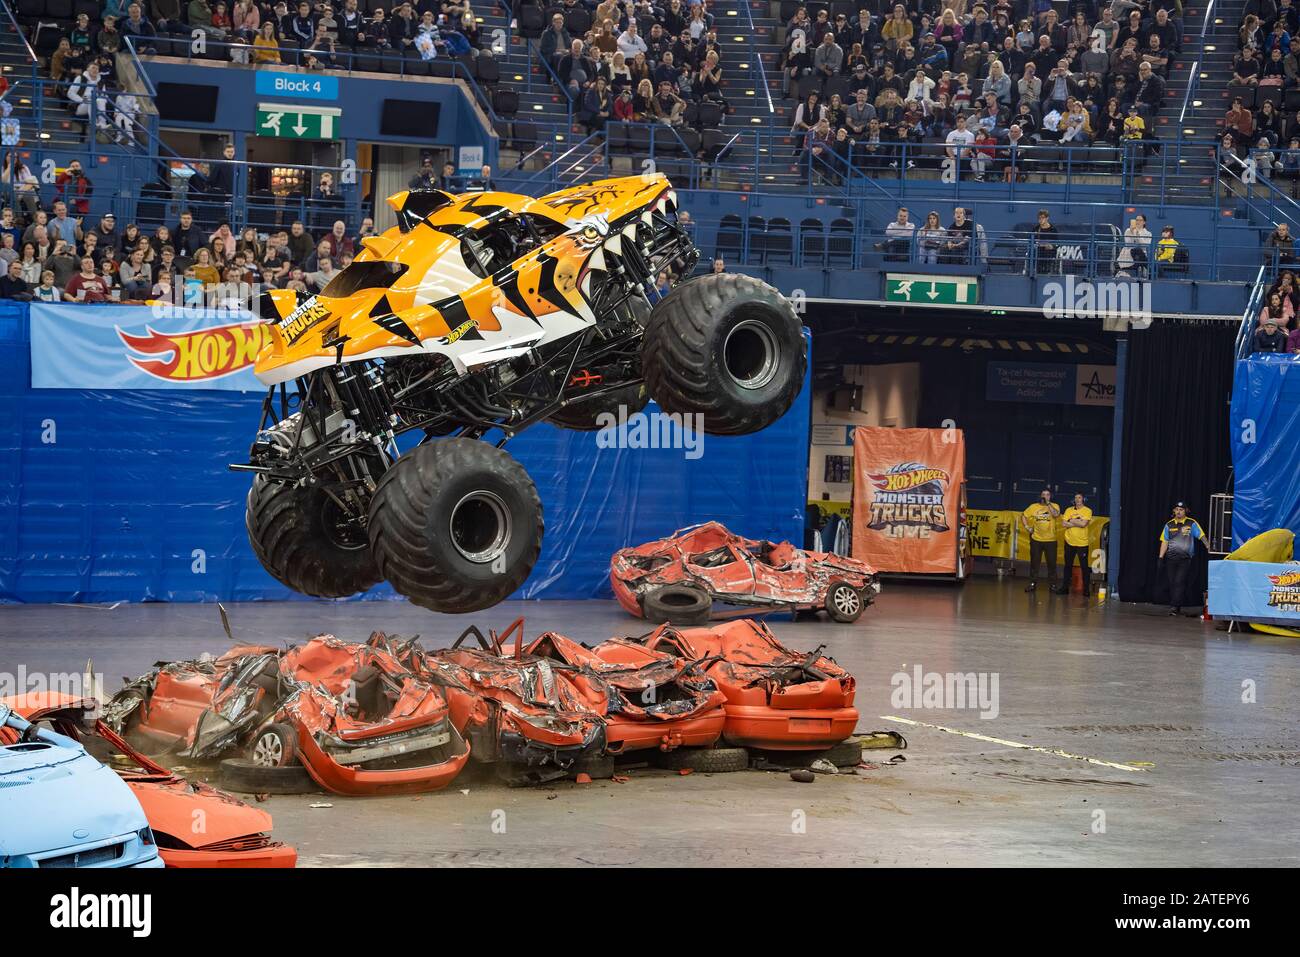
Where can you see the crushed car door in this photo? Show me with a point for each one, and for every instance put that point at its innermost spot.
(780, 572)
(727, 570)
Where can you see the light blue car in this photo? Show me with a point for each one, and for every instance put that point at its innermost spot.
(59, 807)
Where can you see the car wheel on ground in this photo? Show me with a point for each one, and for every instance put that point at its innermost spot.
(275, 746)
(677, 604)
(455, 525)
(844, 603)
(704, 760)
(241, 774)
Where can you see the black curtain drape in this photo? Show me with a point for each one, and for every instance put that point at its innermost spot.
(1177, 385)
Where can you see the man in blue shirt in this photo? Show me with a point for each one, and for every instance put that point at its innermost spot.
(1178, 541)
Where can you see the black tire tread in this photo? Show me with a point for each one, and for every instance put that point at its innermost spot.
(398, 512)
(705, 760)
(241, 774)
(675, 353)
(283, 543)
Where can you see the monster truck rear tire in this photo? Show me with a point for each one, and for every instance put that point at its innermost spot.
(455, 525)
(583, 415)
(300, 537)
(678, 604)
(727, 346)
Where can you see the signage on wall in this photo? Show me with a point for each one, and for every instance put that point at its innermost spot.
(939, 290)
(301, 86)
(470, 159)
(1061, 383)
(291, 122)
(830, 434)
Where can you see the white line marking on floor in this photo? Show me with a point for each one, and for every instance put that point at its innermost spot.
(1013, 744)
(1066, 651)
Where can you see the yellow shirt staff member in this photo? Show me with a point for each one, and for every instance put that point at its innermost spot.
(1076, 520)
(1039, 521)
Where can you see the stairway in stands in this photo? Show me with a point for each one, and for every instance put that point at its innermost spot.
(59, 129)
(1190, 177)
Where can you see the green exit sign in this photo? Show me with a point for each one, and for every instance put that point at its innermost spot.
(938, 290)
(288, 122)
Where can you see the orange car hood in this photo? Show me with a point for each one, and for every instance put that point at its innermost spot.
(171, 804)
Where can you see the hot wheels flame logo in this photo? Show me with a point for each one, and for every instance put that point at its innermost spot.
(199, 355)
(1285, 580)
(907, 478)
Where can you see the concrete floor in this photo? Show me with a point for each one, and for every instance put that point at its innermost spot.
(1193, 774)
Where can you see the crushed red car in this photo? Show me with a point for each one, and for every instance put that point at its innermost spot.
(649, 698)
(678, 579)
(194, 825)
(776, 699)
(353, 715)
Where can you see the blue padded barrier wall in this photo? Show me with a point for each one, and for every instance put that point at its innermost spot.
(1265, 447)
(125, 495)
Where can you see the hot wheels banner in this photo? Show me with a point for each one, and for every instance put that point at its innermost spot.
(1256, 591)
(907, 497)
(143, 347)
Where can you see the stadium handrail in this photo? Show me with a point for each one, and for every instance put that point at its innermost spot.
(18, 32)
(755, 58)
(536, 51)
(1245, 335)
(1194, 78)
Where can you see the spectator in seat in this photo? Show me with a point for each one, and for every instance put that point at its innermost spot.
(667, 106)
(167, 15)
(302, 26)
(403, 28)
(555, 40)
(606, 41)
(87, 285)
(1277, 306)
(859, 114)
(596, 106)
(575, 70)
(351, 24)
(339, 243)
(1125, 60)
(266, 47)
(47, 291)
(1239, 123)
(819, 144)
(1155, 57)
(301, 244)
(1166, 247)
(899, 235)
(957, 244)
(998, 83)
(245, 20)
(1059, 87)
(828, 59)
(319, 278)
(630, 43)
(482, 182)
(448, 182)
(898, 28)
(1150, 92)
(75, 186)
(12, 284)
(140, 31)
(1246, 68)
(958, 145)
(1268, 337)
(1282, 242)
(1133, 254)
(425, 178)
(63, 263)
(1046, 236)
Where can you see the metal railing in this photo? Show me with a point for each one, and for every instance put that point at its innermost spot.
(1246, 333)
(1194, 78)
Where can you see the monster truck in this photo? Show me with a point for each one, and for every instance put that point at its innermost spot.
(474, 317)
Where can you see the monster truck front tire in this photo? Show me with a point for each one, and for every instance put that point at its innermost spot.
(727, 346)
(586, 415)
(455, 525)
(302, 538)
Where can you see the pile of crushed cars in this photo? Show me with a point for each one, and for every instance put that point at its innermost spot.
(388, 717)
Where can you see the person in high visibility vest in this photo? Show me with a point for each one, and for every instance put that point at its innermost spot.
(1178, 541)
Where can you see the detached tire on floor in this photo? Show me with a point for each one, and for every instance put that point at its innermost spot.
(303, 538)
(455, 525)
(705, 760)
(727, 346)
(678, 604)
(584, 415)
(241, 774)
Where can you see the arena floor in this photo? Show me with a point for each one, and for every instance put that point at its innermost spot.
(1189, 773)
